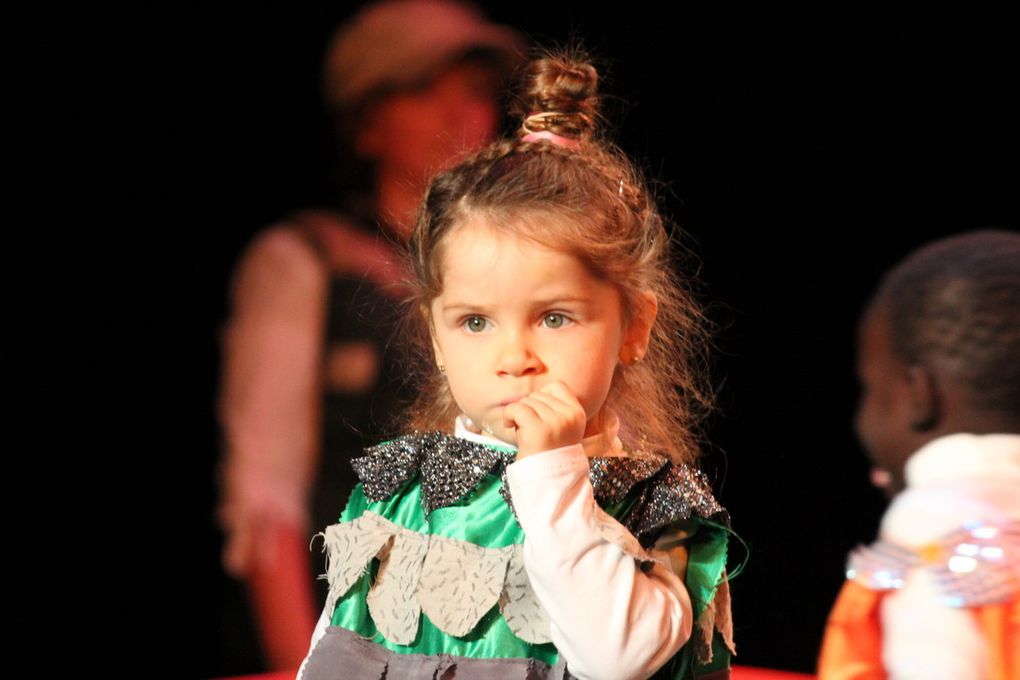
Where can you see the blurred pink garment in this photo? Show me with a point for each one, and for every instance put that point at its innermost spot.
(275, 371)
(269, 402)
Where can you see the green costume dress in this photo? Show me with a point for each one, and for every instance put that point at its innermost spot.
(427, 577)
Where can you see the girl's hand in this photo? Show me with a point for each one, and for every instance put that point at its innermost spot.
(546, 419)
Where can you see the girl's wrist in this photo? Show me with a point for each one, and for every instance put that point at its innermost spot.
(525, 450)
(531, 452)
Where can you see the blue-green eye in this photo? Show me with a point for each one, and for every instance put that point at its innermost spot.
(475, 324)
(554, 320)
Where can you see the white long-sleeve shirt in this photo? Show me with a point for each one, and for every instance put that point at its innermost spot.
(609, 618)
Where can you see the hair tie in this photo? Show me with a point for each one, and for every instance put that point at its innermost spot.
(544, 118)
(558, 140)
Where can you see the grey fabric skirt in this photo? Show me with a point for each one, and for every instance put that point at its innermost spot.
(342, 654)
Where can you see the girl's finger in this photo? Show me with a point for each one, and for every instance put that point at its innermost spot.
(518, 414)
(547, 412)
(559, 389)
(549, 401)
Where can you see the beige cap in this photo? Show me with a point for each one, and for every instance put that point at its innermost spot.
(401, 42)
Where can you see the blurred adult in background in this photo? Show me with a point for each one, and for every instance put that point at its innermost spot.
(308, 379)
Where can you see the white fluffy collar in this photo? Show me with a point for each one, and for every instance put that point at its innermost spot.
(960, 457)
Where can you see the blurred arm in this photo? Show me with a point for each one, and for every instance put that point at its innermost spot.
(269, 410)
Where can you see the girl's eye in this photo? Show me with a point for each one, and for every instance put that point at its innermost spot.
(475, 324)
(554, 320)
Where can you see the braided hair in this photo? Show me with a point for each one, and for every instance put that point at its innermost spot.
(954, 305)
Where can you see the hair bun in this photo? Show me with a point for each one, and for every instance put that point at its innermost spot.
(560, 95)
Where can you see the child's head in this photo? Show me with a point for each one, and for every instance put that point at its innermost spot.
(562, 216)
(939, 349)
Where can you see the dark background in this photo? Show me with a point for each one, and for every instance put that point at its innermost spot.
(804, 152)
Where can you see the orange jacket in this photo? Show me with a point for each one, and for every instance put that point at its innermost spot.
(852, 646)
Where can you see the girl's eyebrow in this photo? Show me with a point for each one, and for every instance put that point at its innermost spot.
(554, 300)
(550, 301)
(462, 306)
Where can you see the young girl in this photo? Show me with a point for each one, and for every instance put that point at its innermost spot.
(545, 519)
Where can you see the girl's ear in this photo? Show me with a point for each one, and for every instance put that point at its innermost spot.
(436, 350)
(639, 330)
(438, 353)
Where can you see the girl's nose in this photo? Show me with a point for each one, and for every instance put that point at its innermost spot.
(517, 356)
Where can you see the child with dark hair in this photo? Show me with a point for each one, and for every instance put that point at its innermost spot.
(546, 518)
(939, 361)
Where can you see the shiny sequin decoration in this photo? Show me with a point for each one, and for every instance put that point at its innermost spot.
(451, 467)
(613, 478)
(675, 493)
(881, 565)
(972, 566)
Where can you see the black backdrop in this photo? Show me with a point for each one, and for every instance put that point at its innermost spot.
(804, 150)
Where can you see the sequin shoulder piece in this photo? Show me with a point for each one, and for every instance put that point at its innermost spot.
(667, 493)
(972, 566)
(451, 467)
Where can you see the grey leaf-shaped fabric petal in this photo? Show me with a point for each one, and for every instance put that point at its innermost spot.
(618, 535)
(392, 601)
(520, 606)
(349, 547)
(460, 582)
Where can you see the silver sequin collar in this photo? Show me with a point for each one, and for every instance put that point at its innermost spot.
(450, 467)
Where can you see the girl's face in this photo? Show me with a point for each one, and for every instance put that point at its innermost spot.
(514, 316)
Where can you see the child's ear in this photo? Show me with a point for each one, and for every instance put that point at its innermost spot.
(639, 330)
(924, 403)
(437, 352)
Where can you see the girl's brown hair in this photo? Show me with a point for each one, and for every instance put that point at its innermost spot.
(582, 196)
